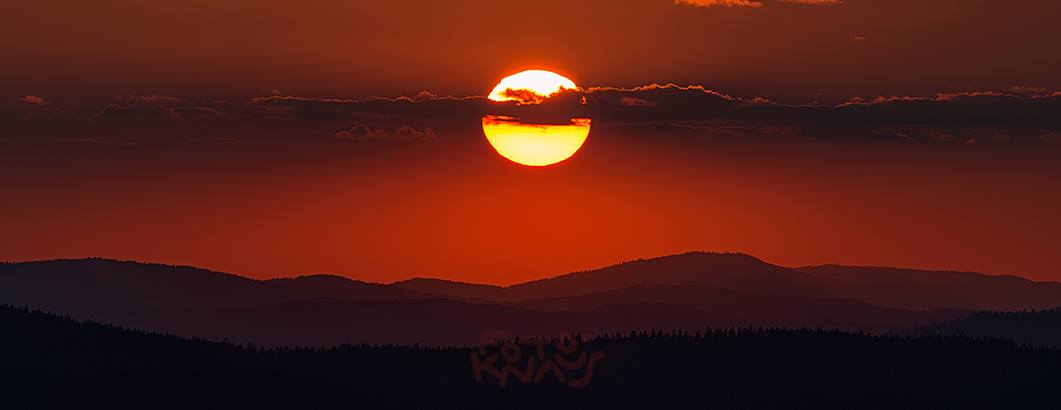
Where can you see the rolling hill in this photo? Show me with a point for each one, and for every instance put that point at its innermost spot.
(921, 289)
(691, 291)
(892, 287)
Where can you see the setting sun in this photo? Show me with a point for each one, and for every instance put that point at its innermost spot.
(535, 144)
(541, 83)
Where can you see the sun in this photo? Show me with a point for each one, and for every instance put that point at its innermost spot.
(533, 144)
(540, 83)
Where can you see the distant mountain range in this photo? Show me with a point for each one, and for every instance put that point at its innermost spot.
(687, 291)
(894, 287)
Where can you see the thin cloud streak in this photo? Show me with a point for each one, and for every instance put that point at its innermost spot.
(720, 3)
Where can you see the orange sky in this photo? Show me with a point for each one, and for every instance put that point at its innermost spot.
(236, 135)
(453, 208)
(783, 50)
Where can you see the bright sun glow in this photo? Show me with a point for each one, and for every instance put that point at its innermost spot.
(535, 144)
(540, 82)
(529, 143)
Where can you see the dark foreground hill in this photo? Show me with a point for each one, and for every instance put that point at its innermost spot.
(53, 362)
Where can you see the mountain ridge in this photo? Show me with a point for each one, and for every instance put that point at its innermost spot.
(689, 291)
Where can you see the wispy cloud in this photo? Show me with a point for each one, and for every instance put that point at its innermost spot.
(402, 133)
(720, 3)
(752, 3)
(33, 99)
(816, 2)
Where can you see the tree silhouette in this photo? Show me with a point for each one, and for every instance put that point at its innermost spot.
(58, 362)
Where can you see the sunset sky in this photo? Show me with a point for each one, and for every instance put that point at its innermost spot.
(274, 138)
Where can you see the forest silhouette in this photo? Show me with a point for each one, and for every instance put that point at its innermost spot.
(59, 362)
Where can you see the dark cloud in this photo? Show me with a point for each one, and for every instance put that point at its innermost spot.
(523, 96)
(151, 99)
(362, 132)
(136, 112)
(402, 133)
(1018, 114)
(307, 108)
(968, 115)
(146, 108)
(406, 132)
(632, 101)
